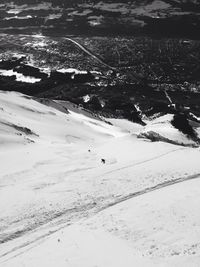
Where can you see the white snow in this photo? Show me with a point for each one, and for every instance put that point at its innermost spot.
(60, 206)
(71, 70)
(86, 98)
(19, 17)
(19, 76)
(162, 126)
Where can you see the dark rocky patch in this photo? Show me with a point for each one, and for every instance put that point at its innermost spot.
(155, 137)
(180, 122)
(25, 130)
(27, 70)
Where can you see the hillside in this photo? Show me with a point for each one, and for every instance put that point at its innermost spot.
(57, 195)
(151, 17)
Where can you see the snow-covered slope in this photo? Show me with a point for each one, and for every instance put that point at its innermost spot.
(60, 205)
(162, 129)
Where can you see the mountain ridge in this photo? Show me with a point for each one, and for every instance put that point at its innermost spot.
(157, 17)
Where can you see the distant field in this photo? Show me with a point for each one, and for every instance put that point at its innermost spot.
(158, 61)
(126, 71)
(160, 18)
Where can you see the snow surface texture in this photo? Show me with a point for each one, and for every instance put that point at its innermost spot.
(61, 206)
(162, 129)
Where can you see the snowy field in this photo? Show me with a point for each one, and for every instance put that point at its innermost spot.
(61, 206)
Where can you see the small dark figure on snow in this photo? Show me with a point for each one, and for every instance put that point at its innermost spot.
(89, 150)
(103, 161)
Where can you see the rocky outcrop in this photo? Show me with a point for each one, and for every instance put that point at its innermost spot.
(156, 137)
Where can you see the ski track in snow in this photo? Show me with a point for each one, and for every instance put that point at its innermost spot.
(120, 200)
(59, 181)
(91, 206)
(72, 210)
(142, 162)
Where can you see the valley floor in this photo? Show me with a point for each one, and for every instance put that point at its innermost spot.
(60, 205)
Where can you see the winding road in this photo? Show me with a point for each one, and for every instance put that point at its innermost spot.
(88, 52)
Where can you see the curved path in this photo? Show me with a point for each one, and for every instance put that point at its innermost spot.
(29, 244)
(138, 77)
(90, 53)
